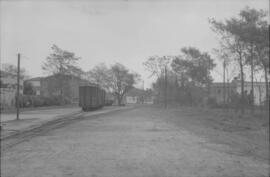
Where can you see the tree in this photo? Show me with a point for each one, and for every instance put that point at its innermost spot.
(60, 63)
(101, 75)
(244, 37)
(75, 71)
(252, 20)
(12, 69)
(230, 32)
(117, 79)
(260, 39)
(169, 88)
(262, 52)
(122, 81)
(194, 66)
(224, 56)
(158, 66)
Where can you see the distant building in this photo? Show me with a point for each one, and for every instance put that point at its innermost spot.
(259, 90)
(67, 84)
(219, 92)
(36, 84)
(56, 85)
(148, 97)
(8, 89)
(132, 99)
(135, 96)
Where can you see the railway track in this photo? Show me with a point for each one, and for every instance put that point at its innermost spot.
(21, 136)
(25, 135)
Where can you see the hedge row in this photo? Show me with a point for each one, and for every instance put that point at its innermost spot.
(38, 101)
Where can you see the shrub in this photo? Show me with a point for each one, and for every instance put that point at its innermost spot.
(212, 102)
(38, 101)
(25, 101)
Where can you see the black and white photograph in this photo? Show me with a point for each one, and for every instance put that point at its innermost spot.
(134, 88)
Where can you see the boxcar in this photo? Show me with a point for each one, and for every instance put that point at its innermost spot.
(91, 97)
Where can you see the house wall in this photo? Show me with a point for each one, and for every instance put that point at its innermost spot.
(74, 88)
(8, 90)
(131, 99)
(8, 97)
(217, 91)
(149, 100)
(50, 86)
(35, 83)
(259, 91)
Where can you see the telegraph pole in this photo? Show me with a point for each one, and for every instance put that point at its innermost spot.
(252, 82)
(208, 79)
(165, 86)
(18, 86)
(143, 96)
(224, 82)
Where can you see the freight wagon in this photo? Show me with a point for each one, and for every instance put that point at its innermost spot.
(91, 97)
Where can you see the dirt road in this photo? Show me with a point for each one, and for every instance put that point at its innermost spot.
(142, 142)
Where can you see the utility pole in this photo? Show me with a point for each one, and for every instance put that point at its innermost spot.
(18, 86)
(165, 86)
(224, 82)
(252, 82)
(72, 88)
(143, 96)
(208, 79)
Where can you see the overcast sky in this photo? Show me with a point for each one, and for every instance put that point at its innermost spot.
(111, 31)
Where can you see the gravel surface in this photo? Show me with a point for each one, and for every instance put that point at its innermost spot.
(143, 142)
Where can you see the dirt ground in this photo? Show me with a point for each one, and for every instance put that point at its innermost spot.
(145, 142)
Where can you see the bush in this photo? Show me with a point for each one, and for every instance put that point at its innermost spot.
(50, 101)
(108, 102)
(38, 101)
(212, 102)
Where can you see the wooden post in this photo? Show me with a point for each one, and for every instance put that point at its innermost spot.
(166, 87)
(18, 87)
(224, 83)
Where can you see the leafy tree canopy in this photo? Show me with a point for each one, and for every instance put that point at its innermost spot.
(193, 66)
(60, 61)
(12, 69)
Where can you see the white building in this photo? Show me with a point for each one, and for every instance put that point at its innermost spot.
(132, 99)
(259, 90)
(140, 96)
(219, 92)
(8, 89)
